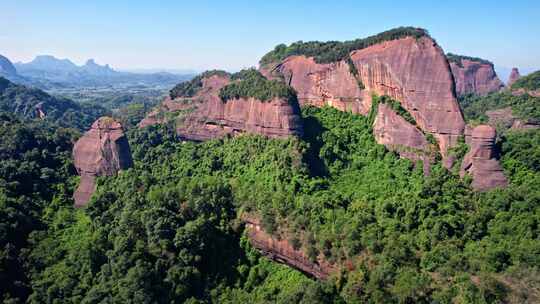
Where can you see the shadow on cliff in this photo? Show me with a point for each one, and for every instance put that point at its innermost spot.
(313, 131)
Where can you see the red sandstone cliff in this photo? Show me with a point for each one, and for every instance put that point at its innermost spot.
(481, 162)
(412, 71)
(514, 76)
(101, 151)
(205, 116)
(282, 251)
(506, 119)
(398, 135)
(475, 77)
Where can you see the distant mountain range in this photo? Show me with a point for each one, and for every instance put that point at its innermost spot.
(48, 72)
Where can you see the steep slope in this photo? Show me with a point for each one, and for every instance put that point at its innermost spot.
(33, 103)
(101, 151)
(6, 67)
(217, 104)
(474, 75)
(405, 64)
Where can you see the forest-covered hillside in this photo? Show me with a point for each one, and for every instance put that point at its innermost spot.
(169, 229)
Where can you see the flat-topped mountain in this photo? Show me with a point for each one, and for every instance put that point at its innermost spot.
(474, 75)
(216, 103)
(404, 63)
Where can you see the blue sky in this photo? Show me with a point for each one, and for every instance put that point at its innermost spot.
(235, 34)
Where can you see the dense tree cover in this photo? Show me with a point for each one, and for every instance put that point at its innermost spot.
(191, 87)
(251, 83)
(34, 166)
(22, 101)
(332, 51)
(168, 230)
(529, 82)
(457, 59)
(523, 106)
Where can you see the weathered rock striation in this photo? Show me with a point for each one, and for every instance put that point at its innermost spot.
(412, 70)
(481, 161)
(399, 135)
(514, 76)
(101, 151)
(206, 116)
(282, 251)
(475, 77)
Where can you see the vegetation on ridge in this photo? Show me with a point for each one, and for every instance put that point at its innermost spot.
(251, 83)
(457, 59)
(529, 82)
(191, 87)
(332, 51)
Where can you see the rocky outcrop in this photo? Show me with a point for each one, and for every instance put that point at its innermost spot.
(282, 251)
(505, 119)
(514, 76)
(398, 135)
(414, 71)
(6, 67)
(475, 77)
(101, 151)
(206, 116)
(481, 161)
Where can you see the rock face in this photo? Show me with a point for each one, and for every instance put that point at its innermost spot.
(101, 151)
(481, 161)
(398, 135)
(6, 67)
(475, 77)
(514, 76)
(205, 116)
(412, 71)
(282, 251)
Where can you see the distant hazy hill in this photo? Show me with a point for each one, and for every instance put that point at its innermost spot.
(6, 67)
(49, 72)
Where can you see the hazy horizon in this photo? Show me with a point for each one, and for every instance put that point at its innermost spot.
(212, 35)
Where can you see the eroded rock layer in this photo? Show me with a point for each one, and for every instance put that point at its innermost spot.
(282, 251)
(505, 118)
(205, 116)
(481, 161)
(398, 135)
(101, 151)
(414, 71)
(475, 77)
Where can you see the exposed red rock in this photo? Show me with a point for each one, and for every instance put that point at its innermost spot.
(101, 151)
(481, 162)
(398, 135)
(412, 71)
(205, 116)
(475, 77)
(282, 251)
(514, 76)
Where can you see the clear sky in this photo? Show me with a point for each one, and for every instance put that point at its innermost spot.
(232, 34)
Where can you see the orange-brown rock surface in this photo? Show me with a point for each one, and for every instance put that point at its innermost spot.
(514, 76)
(410, 70)
(481, 161)
(282, 251)
(101, 151)
(398, 135)
(504, 118)
(475, 77)
(205, 116)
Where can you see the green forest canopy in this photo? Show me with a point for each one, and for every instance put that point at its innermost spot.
(529, 82)
(167, 230)
(458, 58)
